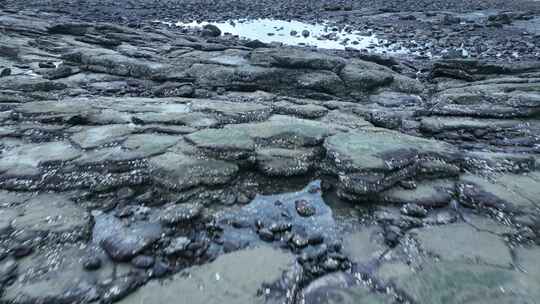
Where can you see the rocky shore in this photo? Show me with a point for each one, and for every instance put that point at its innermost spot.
(147, 164)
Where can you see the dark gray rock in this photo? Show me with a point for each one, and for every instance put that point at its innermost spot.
(178, 246)
(5, 72)
(180, 214)
(143, 261)
(123, 243)
(304, 208)
(414, 210)
(91, 262)
(210, 30)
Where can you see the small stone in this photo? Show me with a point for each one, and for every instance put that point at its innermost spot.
(255, 44)
(312, 189)
(527, 220)
(177, 245)
(242, 199)
(299, 241)
(229, 199)
(315, 239)
(305, 33)
(8, 271)
(124, 212)
(22, 250)
(266, 235)
(240, 223)
(91, 262)
(232, 245)
(407, 222)
(294, 33)
(409, 184)
(182, 213)
(210, 30)
(3, 253)
(414, 210)
(160, 269)
(121, 287)
(314, 253)
(525, 233)
(330, 264)
(5, 72)
(59, 72)
(143, 261)
(304, 208)
(391, 235)
(441, 218)
(145, 197)
(141, 212)
(125, 193)
(280, 227)
(46, 65)
(128, 243)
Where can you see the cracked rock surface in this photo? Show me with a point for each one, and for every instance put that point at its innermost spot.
(151, 165)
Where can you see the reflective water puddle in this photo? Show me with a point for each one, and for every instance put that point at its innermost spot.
(318, 35)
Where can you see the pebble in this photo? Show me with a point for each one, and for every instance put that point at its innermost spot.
(8, 271)
(5, 72)
(242, 199)
(143, 261)
(46, 65)
(22, 250)
(414, 210)
(304, 208)
(181, 213)
(210, 30)
(177, 245)
(299, 241)
(330, 264)
(91, 262)
(266, 235)
(160, 270)
(392, 235)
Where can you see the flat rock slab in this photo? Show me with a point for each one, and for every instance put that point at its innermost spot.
(371, 160)
(180, 172)
(528, 259)
(285, 162)
(507, 192)
(123, 242)
(433, 193)
(54, 276)
(371, 149)
(454, 282)
(342, 288)
(52, 214)
(94, 137)
(231, 278)
(25, 159)
(496, 100)
(232, 112)
(239, 140)
(462, 242)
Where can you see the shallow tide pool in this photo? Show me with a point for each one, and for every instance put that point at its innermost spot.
(318, 35)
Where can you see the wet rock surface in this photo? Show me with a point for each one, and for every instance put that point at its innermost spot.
(140, 163)
(450, 29)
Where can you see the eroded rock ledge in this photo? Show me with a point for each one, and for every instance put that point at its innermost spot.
(128, 155)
